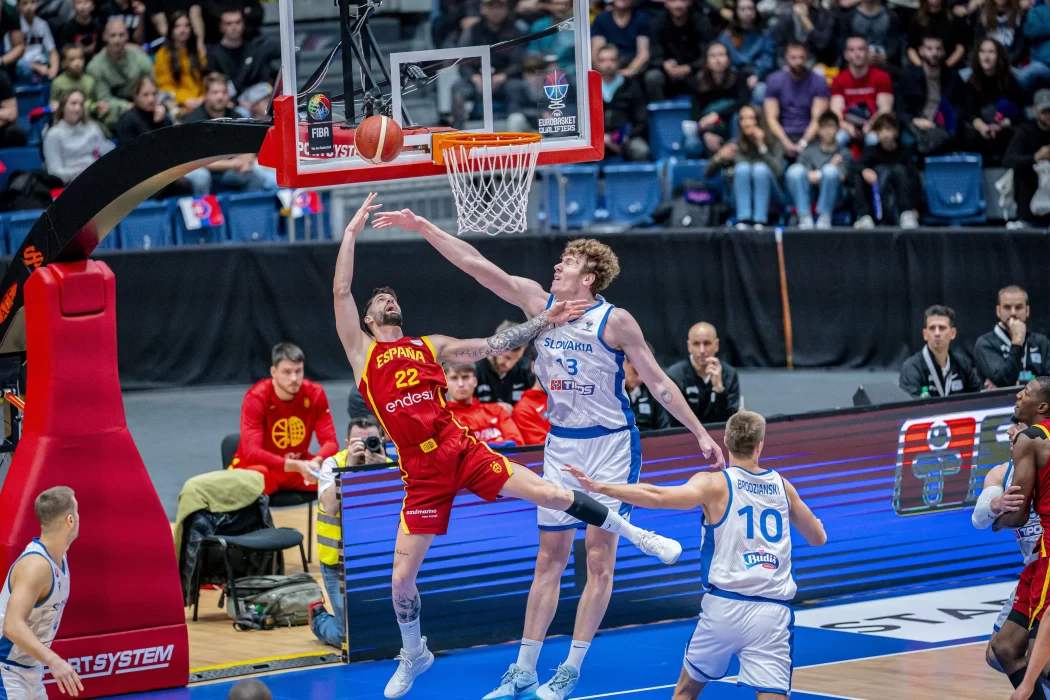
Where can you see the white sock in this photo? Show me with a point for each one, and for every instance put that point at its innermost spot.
(618, 524)
(410, 638)
(576, 653)
(529, 654)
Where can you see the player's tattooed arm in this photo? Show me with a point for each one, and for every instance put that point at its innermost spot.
(455, 350)
(406, 608)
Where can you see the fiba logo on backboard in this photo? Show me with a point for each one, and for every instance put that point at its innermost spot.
(556, 86)
(319, 108)
(942, 459)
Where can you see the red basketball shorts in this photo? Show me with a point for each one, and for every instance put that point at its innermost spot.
(1032, 591)
(433, 478)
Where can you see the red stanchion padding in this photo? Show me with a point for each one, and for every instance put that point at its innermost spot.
(124, 628)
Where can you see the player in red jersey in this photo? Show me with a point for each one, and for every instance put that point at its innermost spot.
(402, 380)
(1031, 455)
(278, 417)
(488, 422)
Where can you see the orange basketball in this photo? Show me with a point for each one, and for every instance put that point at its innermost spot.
(378, 140)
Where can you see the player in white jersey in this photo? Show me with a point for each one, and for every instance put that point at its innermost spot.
(997, 497)
(592, 427)
(745, 562)
(32, 600)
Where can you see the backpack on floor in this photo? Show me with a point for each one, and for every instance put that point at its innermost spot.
(273, 601)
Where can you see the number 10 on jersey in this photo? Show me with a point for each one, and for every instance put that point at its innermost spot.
(764, 522)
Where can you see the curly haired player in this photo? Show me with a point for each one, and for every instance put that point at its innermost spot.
(402, 380)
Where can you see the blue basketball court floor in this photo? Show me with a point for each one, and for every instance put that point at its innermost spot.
(878, 648)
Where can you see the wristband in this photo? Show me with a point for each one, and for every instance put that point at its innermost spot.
(982, 513)
(803, 143)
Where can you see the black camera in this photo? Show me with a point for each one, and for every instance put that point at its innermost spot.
(374, 444)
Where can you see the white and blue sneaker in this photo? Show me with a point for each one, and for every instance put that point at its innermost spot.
(411, 666)
(561, 686)
(516, 684)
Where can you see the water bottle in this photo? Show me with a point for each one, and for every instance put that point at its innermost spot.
(925, 393)
(877, 200)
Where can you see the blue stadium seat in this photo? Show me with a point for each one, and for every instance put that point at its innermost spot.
(581, 194)
(678, 171)
(26, 158)
(148, 226)
(205, 234)
(250, 216)
(17, 225)
(30, 97)
(632, 192)
(665, 127)
(955, 189)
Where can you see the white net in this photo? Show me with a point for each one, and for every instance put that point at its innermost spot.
(491, 185)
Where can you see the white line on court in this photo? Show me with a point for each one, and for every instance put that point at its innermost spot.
(732, 679)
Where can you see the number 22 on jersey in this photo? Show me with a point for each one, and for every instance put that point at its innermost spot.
(406, 378)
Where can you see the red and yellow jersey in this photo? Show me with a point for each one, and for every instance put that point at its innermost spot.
(1041, 496)
(530, 415)
(272, 429)
(404, 386)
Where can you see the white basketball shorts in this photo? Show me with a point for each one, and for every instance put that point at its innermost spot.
(1005, 612)
(21, 684)
(615, 458)
(759, 634)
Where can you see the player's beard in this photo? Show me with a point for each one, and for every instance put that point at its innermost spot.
(389, 318)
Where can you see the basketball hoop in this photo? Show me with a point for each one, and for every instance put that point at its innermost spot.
(490, 175)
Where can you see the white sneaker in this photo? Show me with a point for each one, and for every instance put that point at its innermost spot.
(759, 226)
(824, 222)
(743, 226)
(909, 220)
(516, 683)
(805, 222)
(864, 222)
(409, 668)
(561, 686)
(663, 548)
(1015, 225)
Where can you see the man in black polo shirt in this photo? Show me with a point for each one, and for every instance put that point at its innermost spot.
(1010, 354)
(503, 378)
(710, 386)
(648, 413)
(936, 370)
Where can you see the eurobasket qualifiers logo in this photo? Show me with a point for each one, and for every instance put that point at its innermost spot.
(767, 560)
(318, 108)
(556, 85)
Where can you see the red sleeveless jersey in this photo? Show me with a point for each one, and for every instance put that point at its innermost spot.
(404, 386)
(1041, 497)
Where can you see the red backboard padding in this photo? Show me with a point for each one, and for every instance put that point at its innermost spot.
(124, 626)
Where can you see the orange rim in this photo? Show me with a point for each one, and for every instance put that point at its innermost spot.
(470, 141)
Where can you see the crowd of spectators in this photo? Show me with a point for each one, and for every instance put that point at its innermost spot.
(122, 68)
(768, 81)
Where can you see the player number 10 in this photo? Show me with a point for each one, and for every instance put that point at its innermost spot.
(763, 522)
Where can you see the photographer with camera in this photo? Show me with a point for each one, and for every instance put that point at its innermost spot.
(365, 444)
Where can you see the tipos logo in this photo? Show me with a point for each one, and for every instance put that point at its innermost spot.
(288, 432)
(767, 560)
(496, 467)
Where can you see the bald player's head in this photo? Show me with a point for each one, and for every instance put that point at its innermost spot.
(703, 342)
(250, 690)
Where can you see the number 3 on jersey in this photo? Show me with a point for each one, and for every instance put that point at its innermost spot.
(763, 522)
(404, 378)
(569, 366)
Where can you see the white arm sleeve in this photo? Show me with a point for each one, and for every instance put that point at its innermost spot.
(982, 514)
(326, 476)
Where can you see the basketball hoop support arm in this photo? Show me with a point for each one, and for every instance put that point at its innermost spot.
(351, 32)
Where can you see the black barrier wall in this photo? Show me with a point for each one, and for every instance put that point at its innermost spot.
(210, 315)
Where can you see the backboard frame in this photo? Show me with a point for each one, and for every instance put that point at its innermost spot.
(287, 137)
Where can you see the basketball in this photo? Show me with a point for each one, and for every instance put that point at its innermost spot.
(378, 140)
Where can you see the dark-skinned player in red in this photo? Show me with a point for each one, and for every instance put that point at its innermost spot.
(1031, 454)
(403, 382)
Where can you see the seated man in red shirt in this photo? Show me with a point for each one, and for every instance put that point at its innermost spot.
(530, 413)
(859, 94)
(488, 422)
(278, 417)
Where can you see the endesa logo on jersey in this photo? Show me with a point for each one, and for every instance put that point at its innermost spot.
(767, 560)
(409, 399)
(570, 385)
(942, 459)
